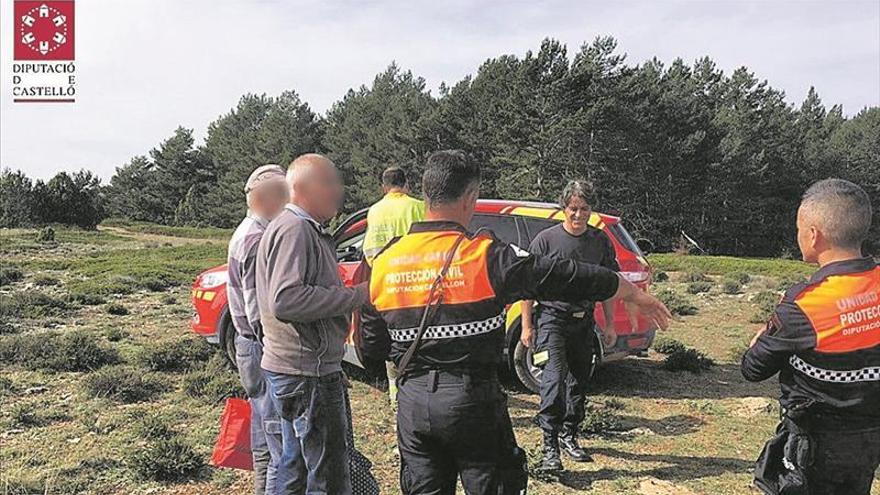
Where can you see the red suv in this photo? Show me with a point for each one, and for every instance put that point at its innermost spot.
(515, 222)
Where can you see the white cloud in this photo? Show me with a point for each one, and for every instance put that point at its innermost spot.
(147, 66)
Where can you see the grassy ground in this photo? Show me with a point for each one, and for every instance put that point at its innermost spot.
(103, 390)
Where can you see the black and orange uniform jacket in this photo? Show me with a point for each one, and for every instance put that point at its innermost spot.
(824, 341)
(486, 275)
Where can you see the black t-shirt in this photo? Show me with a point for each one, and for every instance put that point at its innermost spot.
(593, 246)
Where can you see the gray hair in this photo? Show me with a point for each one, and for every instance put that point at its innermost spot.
(577, 189)
(842, 211)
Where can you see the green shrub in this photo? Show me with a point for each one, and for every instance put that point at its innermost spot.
(86, 299)
(168, 300)
(676, 303)
(599, 420)
(32, 304)
(694, 276)
(699, 287)
(116, 309)
(44, 280)
(741, 277)
(24, 414)
(668, 346)
(178, 355)
(765, 302)
(124, 384)
(731, 287)
(786, 283)
(46, 235)
(7, 328)
(687, 359)
(115, 334)
(212, 386)
(166, 460)
(154, 427)
(28, 415)
(9, 274)
(7, 387)
(661, 277)
(74, 351)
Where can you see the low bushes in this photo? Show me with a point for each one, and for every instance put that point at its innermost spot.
(726, 265)
(677, 304)
(699, 287)
(10, 274)
(680, 357)
(76, 351)
(116, 309)
(731, 287)
(765, 303)
(123, 384)
(166, 460)
(33, 304)
(178, 355)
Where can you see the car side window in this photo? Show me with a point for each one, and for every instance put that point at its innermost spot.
(535, 225)
(503, 226)
(351, 249)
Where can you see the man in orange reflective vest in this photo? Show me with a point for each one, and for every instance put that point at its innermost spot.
(444, 290)
(824, 341)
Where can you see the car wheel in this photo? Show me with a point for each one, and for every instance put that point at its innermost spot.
(227, 340)
(529, 375)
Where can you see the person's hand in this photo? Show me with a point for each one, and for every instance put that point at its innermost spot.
(609, 336)
(757, 336)
(527, 335)
(637, 301)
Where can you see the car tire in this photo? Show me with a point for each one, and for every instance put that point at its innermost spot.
(528, 374)
(227, 341)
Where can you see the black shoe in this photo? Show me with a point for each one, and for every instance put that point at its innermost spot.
(569, 444)
(551, 460)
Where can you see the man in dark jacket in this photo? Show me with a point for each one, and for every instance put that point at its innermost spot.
(824, 341)
(452, 414)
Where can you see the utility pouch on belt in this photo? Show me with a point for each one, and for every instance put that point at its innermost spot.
(782, 467)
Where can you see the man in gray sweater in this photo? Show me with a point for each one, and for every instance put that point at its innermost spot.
(304, 310)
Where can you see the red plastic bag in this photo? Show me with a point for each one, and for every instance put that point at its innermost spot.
(233, 447)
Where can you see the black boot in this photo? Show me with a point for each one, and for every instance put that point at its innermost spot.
(568, 440)
(551, 460)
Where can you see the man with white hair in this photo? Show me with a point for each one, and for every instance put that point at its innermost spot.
(305, 308)
(266, 193)
(824, 342)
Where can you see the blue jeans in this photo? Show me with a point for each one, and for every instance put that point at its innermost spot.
(266, 441)
(314, 457)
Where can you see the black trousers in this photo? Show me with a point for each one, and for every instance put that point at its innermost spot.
(452, 424)
(569, 344)
(844, 462)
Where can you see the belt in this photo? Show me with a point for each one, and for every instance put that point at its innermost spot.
(576, 315)
(249, 337)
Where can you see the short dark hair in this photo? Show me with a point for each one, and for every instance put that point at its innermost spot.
(577, 188)
(449, 175)
(843, 209)
(394, 177)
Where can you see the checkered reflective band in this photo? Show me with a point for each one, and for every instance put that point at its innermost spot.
(468, 329)
(870, 374)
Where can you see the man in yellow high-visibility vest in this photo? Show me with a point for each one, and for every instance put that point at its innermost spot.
(389, 218)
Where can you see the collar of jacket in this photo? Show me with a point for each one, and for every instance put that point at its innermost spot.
(262, 222)
(843, 267)
(296, 210)
(436, 225)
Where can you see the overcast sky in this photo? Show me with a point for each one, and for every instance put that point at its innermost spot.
(146, 66)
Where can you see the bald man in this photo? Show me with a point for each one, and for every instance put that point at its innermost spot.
(824, 342)
(304, 309)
